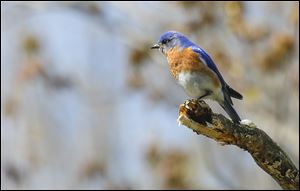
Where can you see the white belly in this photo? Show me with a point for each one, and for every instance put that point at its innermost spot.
(196, 85)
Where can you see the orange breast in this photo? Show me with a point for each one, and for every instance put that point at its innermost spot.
(186, 60)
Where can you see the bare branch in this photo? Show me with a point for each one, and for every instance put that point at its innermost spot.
(198, 116)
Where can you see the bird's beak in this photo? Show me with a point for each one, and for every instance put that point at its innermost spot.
(156, 46)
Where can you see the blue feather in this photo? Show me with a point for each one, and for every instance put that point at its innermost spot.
(209, 62)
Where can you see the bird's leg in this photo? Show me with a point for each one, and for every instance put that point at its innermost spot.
(207, 93)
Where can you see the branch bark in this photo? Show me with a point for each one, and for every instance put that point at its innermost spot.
(198, 116)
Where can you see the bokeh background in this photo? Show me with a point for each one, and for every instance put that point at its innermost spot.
(85, 104)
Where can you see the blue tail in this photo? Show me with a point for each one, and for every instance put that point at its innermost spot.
(226, 105)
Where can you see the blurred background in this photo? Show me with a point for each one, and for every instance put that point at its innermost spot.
(85, 104)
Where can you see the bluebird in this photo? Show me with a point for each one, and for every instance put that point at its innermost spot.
(196, 72)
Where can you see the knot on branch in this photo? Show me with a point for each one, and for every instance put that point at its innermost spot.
(196, 110)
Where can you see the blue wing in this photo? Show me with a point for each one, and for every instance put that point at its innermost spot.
(209, 62)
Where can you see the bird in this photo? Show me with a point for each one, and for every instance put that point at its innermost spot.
(196, 72)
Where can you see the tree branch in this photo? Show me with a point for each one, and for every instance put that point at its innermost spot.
(198, 116)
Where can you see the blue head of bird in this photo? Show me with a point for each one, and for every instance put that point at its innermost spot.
(170, 40)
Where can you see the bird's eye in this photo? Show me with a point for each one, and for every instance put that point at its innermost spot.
(166, 41)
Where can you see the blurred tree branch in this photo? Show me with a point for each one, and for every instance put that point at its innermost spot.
(198, 116)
